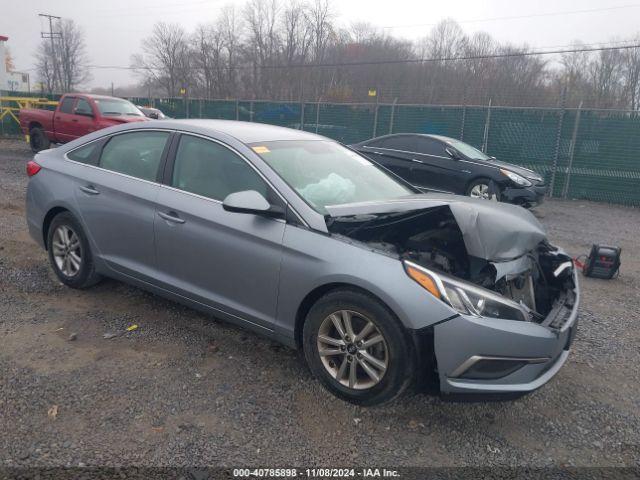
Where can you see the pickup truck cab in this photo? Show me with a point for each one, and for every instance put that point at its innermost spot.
(76, 115)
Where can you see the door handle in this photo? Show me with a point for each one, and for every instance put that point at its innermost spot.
(171, 217)
(90, 190)
(416, 160)
(74, 120)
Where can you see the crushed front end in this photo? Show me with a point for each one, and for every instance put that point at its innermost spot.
(515, 294)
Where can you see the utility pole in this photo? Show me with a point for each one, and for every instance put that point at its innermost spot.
(51, 35)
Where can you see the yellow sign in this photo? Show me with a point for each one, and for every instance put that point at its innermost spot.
(372, 92)
(261, 149)
(183, 91)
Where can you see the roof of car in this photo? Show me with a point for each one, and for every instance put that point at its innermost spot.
(245, 132)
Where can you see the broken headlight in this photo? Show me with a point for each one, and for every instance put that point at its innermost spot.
(515, 178)
(465, 297)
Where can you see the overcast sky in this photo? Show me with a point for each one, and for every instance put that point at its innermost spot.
(115, 28)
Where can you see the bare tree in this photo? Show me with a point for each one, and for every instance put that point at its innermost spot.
(45, 67)
(166, 58)
(70, 58)
(631, 76)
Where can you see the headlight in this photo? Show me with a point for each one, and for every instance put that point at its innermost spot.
(465, 297)
(520, 180)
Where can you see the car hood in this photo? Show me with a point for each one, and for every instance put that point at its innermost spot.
(525, 172)
(492, 231)
(125, 119)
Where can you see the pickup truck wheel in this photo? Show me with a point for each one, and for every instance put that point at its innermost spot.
(38, 140)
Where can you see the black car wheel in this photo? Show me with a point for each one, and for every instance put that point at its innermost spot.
(69, 252)
(357, 348)
(484, 189)
(38, 140)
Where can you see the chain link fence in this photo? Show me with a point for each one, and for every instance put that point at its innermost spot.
(584, 154)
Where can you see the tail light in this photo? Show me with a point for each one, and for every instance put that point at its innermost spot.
(32, 168)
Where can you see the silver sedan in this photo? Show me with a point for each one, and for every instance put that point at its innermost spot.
(305, 241)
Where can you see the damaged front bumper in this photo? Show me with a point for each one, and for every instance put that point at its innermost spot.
(477, 355)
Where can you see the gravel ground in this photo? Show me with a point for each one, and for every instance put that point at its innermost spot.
(184, 389)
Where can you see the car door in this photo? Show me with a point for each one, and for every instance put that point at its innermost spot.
(83, 118)
(63, 120)
(225, 260)
(393, 153)
(435, 168)
(117, 200)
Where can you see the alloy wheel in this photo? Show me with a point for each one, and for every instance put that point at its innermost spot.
(67, 251)
(352, 349)
(480, 191)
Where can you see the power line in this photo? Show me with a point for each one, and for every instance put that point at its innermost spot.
(404, 61)
(517, 17)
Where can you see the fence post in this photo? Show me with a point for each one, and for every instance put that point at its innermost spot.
(301, 115)
(487, 123)
(237, 109)
(556, 153)
(572, 149)
(464, 119)
(375, 121)
(393, 114)
(317, 115)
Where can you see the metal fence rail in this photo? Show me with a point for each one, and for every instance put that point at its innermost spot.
(587, 154)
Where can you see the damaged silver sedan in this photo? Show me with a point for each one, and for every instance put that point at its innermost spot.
(307, 242)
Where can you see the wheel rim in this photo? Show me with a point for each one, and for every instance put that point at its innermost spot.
(480, 191)
(352, 349)
(67, 252)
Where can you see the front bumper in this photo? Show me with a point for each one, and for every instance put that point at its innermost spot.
(535, 352)
(526, 196)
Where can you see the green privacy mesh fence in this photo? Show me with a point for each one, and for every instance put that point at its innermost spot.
(588, 154)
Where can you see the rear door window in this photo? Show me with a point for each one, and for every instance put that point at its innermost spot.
(137, 154)
(67, 104)
(404, 143)
(429, 146)
(83, 107)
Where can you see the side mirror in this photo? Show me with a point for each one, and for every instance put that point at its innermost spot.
(452, 153)
(250, 201)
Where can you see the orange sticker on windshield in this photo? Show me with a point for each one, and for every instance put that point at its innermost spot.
(261, 149)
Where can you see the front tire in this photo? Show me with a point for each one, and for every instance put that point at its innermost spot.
(484, 189)
(70, 253)
(38, 140)
(357, 348)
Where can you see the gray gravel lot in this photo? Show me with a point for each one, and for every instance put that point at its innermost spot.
(184, 389)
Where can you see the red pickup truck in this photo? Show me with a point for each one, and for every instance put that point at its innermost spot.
(76, 115)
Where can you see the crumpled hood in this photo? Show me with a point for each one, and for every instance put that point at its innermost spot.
(492, 231)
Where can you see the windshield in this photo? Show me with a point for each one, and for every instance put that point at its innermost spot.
(326, 173)
(114, 106)
(467, 150)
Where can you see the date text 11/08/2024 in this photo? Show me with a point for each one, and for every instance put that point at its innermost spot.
(315, 473)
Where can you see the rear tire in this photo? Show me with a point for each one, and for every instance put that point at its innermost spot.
(38, 140)
(374, 346)
(69, 252)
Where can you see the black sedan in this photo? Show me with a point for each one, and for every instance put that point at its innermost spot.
(443, 164)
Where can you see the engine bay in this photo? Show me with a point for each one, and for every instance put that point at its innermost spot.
(541, 279)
